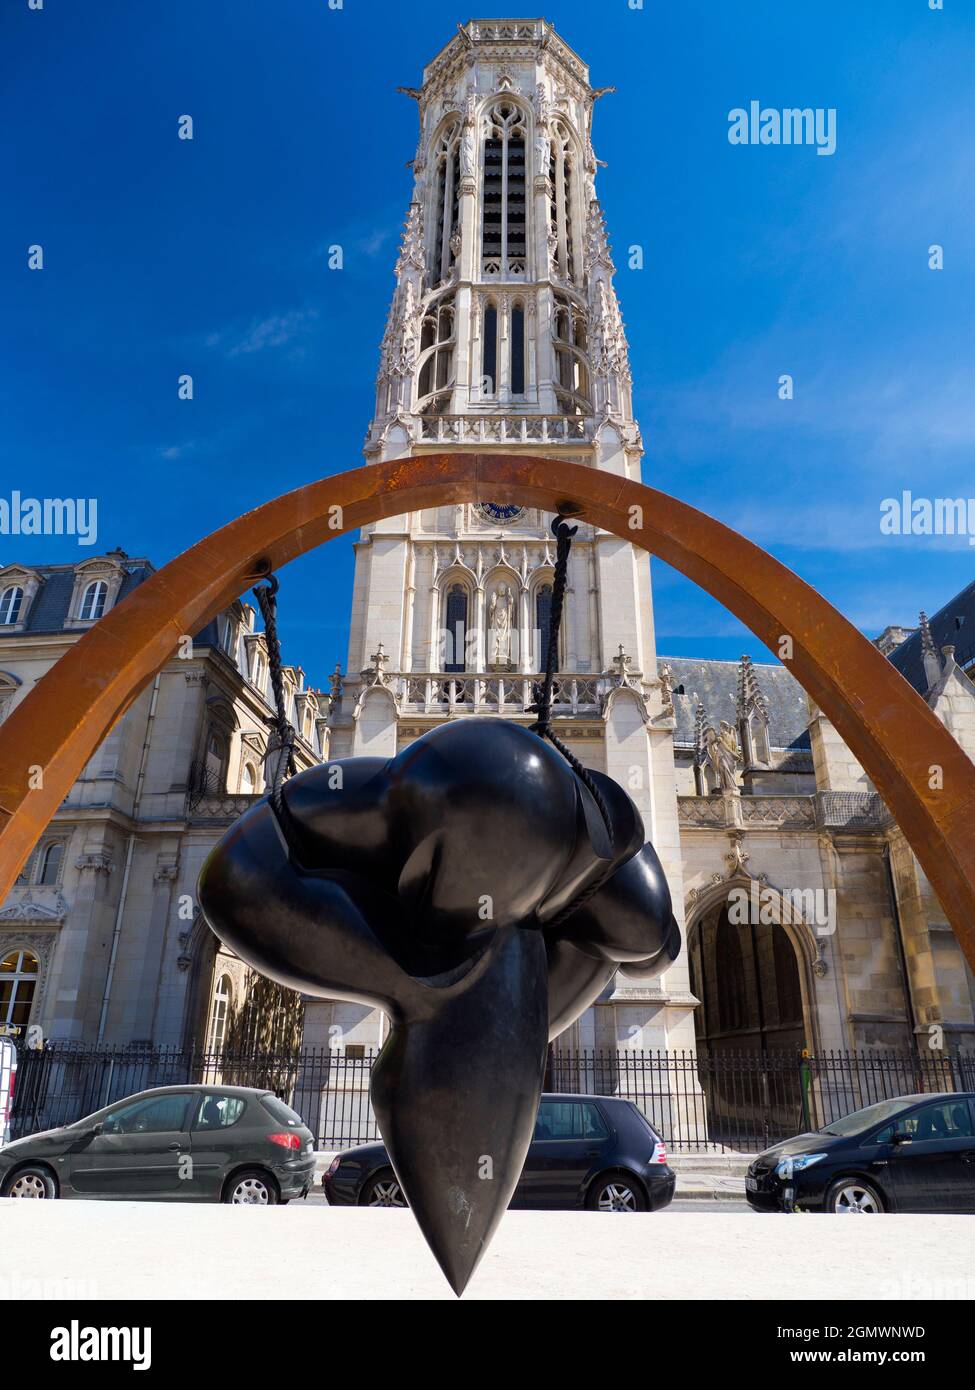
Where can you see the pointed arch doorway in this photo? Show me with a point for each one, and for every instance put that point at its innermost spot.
(749, 980)
(755, 1021)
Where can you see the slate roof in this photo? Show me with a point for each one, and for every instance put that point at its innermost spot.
(952, 626)
(49, 610)
(714, 684)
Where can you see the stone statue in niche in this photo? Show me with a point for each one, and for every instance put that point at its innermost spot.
(468, 153)
(723, 755)
(500, 622)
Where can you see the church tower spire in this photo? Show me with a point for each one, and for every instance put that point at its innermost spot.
(505, 335)
(504, 325)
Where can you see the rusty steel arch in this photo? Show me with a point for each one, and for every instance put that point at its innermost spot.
(888, 726)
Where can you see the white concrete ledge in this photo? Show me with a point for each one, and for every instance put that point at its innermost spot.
(136, 1250)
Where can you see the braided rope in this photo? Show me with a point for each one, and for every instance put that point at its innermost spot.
(563, 533)
(282, 747)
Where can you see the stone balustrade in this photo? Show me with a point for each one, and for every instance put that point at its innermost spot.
(829, 810)
(504, 429)
(490, 692)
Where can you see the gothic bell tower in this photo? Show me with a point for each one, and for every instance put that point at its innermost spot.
(505, 333)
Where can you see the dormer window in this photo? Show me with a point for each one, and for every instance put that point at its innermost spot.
(97, 586)
(93, 601)
(11, 601)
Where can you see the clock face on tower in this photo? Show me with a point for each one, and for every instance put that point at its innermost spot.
(499, 511)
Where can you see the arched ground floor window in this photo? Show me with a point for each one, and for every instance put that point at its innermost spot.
(19, 971)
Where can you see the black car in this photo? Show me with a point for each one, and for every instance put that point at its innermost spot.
(588, 1151)
(911, 1153)
(175, 1143)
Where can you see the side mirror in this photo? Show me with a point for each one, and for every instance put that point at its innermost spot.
(900, 1136)
(96, 1130)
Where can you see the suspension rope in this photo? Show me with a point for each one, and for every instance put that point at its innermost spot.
(281, 749)
(542, 707)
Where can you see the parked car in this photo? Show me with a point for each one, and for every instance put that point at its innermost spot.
(588, 1151)
(8, 1075)
(174, 1143)
(911, 1153)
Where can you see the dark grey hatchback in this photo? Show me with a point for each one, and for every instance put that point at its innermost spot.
(175, 1143)
(598, 1152)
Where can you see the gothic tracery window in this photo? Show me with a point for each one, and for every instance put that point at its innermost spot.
(504, 216)
(443, 251)
(543, 624)
(489, 359)
(518, 349)
(436, 359)
(456, 627)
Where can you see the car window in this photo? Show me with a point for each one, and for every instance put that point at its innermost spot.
(593, 1124)
(861, 1120)
(950, 1119)
(558, 1119)
(218, 1112)
(157, 1116)
(277, 1109)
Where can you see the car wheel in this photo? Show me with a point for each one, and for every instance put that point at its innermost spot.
(616, 1192)
(382, 1190)
(251, 1189)
(853, 1195)
(31, 1182)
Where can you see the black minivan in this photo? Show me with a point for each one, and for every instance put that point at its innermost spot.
(909, 1153)
(598, 1152)
(175, 1143)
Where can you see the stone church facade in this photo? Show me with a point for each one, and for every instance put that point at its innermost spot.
(806, 919)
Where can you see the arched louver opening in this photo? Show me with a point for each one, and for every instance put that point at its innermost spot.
(443, 251)
(564, 237)
(571, 341)
(504, 222)
(435, 378)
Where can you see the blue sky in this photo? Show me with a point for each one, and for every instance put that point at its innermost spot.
(165, 256)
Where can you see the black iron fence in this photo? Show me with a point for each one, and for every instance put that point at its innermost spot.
(699, 1102)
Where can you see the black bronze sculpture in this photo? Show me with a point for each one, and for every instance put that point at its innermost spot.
(481, 892)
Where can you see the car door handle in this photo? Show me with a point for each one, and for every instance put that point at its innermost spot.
(968, 1156)
(879, 1163)
(175, 1148)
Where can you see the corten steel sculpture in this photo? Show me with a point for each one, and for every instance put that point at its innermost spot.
(887, 725)
(476, 890)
